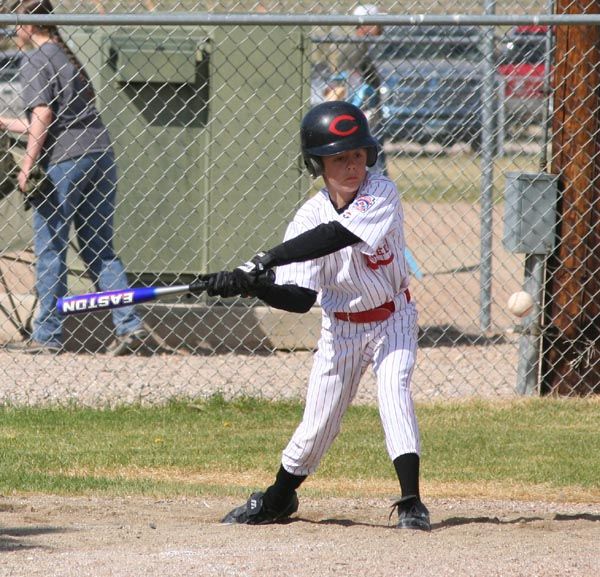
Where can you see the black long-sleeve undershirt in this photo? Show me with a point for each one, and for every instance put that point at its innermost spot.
(320, 241)
(287, 297)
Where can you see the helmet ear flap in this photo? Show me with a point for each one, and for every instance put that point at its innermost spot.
(372, 153)
(314, 165)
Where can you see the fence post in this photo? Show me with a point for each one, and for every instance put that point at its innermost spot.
(529, 343)
(487, 175)
(500, 115)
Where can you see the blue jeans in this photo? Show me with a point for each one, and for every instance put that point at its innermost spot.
(83, 194)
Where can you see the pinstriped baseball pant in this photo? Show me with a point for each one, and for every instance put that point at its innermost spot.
(344, 352)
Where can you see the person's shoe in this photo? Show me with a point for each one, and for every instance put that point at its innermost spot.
(138, 341)
(254, 512)
(31, 347)
(412, 514)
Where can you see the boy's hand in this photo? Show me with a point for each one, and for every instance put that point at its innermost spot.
(228, 284)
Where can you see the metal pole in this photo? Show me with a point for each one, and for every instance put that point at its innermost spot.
(487, 174)
(547, 88)
(212, 19)
(501, 112)
(529, 343)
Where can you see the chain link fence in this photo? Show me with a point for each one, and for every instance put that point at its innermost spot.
(204, 123)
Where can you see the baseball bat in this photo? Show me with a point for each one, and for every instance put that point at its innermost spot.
(106, 300)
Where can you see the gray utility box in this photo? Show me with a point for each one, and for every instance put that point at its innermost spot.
(205, 124)
(530, 212)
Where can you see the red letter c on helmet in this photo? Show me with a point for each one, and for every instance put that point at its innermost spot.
(334, 129)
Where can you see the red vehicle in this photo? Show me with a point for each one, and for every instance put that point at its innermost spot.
(523, 68)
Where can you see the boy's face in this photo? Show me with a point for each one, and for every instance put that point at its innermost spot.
(345, 172)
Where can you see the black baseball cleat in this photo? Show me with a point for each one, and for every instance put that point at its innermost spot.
(412, 514)
(254, 512)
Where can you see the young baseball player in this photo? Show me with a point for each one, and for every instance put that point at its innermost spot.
(344, 246)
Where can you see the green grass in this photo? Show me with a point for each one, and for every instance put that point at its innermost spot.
(223, 448)
(451, 178)
(541, 442)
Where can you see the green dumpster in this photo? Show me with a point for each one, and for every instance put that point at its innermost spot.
(205, 129)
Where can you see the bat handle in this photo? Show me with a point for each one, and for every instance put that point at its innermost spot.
(198, 286)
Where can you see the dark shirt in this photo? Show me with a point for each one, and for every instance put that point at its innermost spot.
(50, 78)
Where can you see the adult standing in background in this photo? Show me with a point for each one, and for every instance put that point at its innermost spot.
(67, 138)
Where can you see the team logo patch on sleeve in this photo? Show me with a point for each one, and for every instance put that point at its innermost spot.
(361, 204)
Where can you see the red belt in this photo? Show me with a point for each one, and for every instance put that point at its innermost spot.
(375, 315)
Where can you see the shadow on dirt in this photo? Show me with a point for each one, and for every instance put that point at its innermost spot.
(338, 522)
(577, 517)
(449, 335)
(458, 521)
(452, 521)
(14, 538)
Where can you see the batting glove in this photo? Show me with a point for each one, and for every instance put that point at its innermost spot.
(222, 284)
(226, 284)
(258, 265)
(251, 283)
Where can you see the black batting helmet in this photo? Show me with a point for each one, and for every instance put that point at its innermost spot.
(333, 127)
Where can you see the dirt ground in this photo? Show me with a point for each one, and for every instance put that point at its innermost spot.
(100, 537)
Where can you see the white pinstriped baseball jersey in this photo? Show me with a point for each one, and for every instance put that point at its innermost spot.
(362, 276)
(357, 278)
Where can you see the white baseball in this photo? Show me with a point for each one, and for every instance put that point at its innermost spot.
(520, 303)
